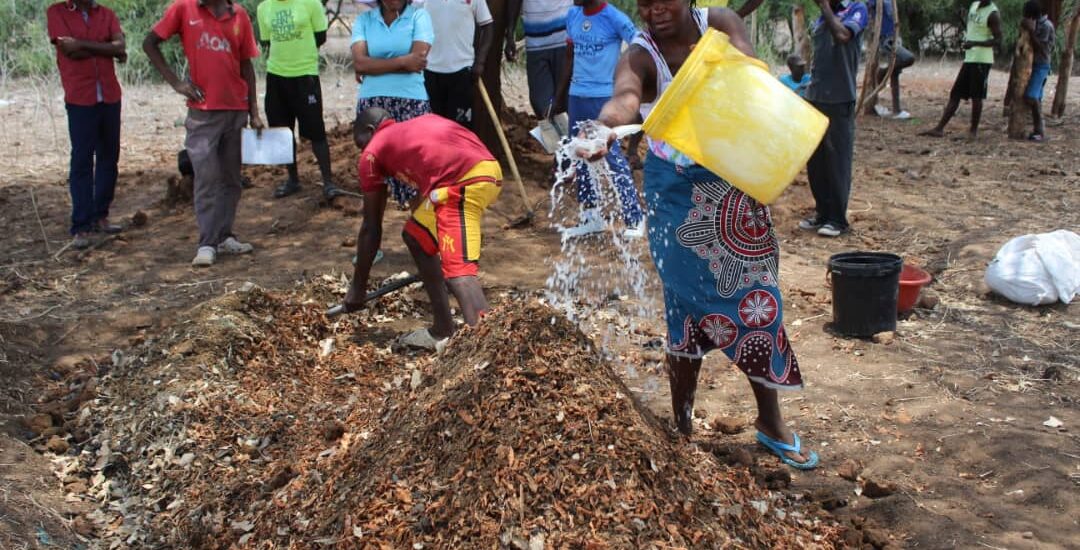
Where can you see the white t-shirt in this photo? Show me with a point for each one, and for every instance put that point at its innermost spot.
(545, 23)
(455, 24)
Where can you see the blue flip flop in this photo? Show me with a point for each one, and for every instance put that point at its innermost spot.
(778, 448)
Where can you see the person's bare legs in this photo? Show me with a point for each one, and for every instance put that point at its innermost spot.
(771, 422)
(470, 296)
(950, 111)
(430, 270)
(894, 85)
(1039, 127)
(976, 116)
(683, 376)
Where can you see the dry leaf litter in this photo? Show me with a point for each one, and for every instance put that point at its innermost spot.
(256, 422)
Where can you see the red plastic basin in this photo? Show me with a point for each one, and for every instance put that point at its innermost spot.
(912, 279)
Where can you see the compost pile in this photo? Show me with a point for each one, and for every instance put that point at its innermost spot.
(257, 421)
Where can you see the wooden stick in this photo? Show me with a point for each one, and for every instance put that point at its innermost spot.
(870, 72)
(506, 146)
(33, 200)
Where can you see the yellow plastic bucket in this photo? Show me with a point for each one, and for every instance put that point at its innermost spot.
(726, 111)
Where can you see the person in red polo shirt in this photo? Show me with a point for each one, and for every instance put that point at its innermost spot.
(219, 43)
(455, 178)
(87, 39)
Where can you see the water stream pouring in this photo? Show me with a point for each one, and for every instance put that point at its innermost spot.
(602, 281)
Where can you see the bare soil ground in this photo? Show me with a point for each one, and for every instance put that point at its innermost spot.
(949, 416)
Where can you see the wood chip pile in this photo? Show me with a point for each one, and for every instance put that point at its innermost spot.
(258, 423)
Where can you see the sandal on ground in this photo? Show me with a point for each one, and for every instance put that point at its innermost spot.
(779, 448)
(286, 188)
(423, 339)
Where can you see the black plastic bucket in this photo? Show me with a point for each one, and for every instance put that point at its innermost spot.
(865, 287)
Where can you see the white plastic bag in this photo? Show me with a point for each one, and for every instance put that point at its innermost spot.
(1037, 269)
(271, 146)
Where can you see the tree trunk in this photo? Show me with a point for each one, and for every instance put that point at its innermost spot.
(1053, 11)
(482, 123)
(1019, 117)
(753, 29)
(1065, 65)
(799, 35)
(871, 69)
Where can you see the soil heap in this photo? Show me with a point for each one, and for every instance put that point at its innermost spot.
(258, 423)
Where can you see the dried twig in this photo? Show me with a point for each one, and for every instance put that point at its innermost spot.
(37, 214)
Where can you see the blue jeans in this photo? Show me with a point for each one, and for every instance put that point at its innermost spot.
(1039, 74)
(580, 109)
(95, 151)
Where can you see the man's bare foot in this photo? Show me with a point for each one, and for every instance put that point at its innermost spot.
(785, 435)
(933, 132)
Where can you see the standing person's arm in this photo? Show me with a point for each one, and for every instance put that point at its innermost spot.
(840, 32)
(75, 48)
(562, 93)
(485, 34)
(368, 242)
(748, 7)
(513, 14)
(412, 62)
(994, 22)
(170, 24)
(248, 51)
(262, 26)
(319, 23)
(247, 69)
(729, 23)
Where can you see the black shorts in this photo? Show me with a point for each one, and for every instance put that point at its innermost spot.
(972, 82)
(295, 99)
(451, 95)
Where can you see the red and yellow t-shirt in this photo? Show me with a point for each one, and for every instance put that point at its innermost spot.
(425, 153)
(214, 48)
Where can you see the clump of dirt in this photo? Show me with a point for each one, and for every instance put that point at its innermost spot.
(258, 420)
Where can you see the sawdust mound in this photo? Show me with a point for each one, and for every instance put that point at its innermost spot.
(256, 422)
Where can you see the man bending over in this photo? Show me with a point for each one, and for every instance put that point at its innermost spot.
(456, 178)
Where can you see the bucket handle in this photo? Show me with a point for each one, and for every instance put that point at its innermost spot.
(828, 278)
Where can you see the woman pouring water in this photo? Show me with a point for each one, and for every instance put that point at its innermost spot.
(713, 245)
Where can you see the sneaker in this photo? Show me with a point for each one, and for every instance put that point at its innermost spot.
(81, 241)
(830, 230)
(423, 339)
(810, 224)
(902, 115)
(204, 257)
(881, 110)
(232, 246)
(103, 226)
(635, 232)
(591, 222)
